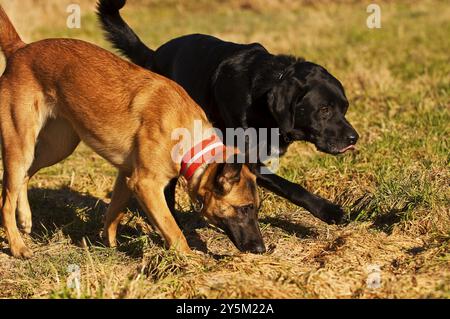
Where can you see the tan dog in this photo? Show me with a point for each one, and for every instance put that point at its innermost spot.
(57, 92)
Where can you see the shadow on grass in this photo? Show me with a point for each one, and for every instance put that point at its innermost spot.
(291, 228)
(79, 216)
(383, 217)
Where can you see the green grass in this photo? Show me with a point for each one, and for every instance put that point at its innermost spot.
(395, 188)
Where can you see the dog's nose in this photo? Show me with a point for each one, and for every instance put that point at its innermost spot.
(352, 139)
(259, 249)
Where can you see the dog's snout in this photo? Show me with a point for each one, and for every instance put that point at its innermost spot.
(255, 247)
(259, 249)
(352, 138)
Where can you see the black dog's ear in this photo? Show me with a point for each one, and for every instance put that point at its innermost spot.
(228, 174)
(288, 90)
(280, 105)
(281, 102)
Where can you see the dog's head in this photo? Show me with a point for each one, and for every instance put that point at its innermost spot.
(309, 104)
(230, 201)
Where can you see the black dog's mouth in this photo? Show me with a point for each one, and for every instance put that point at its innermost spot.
(334, 150)
(348, 148)
(330, 147)
(325, 147)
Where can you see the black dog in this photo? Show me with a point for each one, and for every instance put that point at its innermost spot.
(246, 86)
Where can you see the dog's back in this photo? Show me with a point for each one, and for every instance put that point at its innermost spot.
(74, 79)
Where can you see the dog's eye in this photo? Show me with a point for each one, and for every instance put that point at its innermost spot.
(246, 209)
(325, 111)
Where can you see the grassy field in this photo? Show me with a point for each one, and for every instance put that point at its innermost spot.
(395, 188)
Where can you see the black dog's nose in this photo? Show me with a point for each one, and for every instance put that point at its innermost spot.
(352, 139)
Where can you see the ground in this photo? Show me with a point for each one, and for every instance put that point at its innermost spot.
(395, 188)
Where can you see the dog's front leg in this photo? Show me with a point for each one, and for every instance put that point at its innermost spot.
(319, 207)
(150, 193)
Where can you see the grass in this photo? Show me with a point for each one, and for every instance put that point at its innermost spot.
(395, 188)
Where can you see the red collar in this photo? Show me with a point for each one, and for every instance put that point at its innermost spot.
(203, 153)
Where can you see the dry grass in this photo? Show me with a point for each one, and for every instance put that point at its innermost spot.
(395, 188)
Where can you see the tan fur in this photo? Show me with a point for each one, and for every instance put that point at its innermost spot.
(57, 92)
(243, 194)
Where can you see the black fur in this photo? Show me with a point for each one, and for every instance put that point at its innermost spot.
(243, 85)
(120, 34)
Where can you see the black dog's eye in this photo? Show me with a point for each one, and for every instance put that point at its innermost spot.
(325, 111)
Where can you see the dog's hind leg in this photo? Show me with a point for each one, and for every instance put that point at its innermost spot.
(56, 141)
(23, 211)
(13, 179)
(116, 209)
(19, 129)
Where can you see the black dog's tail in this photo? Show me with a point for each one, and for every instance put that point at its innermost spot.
(121, 35)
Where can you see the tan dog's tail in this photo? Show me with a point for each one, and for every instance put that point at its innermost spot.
(10, 40)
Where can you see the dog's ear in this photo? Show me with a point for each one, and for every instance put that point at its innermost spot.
(228, 174)
(282, 99)
(281, 105)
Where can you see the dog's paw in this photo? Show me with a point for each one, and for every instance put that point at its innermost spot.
(21, 252)
(331, 213)
(109, 242)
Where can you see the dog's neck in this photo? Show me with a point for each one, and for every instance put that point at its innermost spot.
(195, 184)
(195, 164)
(204, 152)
